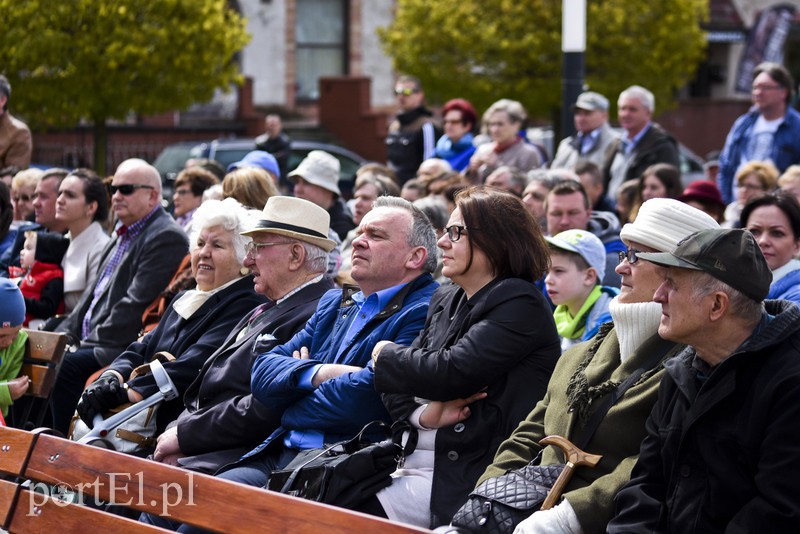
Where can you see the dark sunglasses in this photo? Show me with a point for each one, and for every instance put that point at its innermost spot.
(630, 255)
(128, 189)
(23, 198)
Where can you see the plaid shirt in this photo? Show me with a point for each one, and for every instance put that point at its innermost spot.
(125, 237)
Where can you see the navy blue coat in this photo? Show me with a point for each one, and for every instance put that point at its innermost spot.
(339, 407)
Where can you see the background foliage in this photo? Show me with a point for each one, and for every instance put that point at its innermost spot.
(102, 59)
(484, 50)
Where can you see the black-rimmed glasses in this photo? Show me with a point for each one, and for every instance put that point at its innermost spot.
(455, 231)
(629, 255)
(128, 189)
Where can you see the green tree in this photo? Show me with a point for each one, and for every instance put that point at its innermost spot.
(484, 50)
(97, 60)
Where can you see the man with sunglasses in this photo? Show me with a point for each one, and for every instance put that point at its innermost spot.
(413, 133)
(135, 266)
(587, 374)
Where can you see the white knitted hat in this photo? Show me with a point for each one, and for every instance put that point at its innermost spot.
(662, 222)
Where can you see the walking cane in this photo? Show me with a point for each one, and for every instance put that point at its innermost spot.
(575, 457)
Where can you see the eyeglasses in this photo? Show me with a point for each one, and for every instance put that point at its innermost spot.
(751, 187)
(766, 87)
(128, 189)
(408, 91)
(182, 192)
(22, 198)
(453, 121)
(629, 255)
(251, 249)
(455, 231)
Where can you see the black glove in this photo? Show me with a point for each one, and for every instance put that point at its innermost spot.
(103, 394)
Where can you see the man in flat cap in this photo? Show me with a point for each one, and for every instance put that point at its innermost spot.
(720, 454)
(593, 137)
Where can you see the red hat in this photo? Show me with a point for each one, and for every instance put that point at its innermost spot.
(703, 191)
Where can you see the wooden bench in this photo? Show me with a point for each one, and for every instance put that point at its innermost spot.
(145, 486)
(43, 354)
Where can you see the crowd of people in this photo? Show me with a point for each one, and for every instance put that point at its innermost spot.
(475, 287)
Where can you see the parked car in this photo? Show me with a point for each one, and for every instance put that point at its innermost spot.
(172, 158)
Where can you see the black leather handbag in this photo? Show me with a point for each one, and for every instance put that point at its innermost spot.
(348, 473)
(499, 504)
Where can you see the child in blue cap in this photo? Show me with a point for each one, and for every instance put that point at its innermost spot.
(12, 344)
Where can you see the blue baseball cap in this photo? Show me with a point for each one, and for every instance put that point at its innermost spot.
(258, 158)
(12, 305)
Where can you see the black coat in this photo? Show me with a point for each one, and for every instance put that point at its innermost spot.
(191, 341)
(502, 339)
(221, 420)
(724, 456)
(657, 146)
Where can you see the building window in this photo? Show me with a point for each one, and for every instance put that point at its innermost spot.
(321, 40)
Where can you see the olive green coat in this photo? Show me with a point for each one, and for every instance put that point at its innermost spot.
(590, 491)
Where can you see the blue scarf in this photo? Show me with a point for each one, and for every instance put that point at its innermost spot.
(457, 154)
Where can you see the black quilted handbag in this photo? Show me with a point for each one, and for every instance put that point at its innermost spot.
(499, 504)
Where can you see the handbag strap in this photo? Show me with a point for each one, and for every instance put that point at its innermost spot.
(597, 417)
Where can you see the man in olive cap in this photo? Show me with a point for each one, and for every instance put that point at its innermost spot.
(720, 454)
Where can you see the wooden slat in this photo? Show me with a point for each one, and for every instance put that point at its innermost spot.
(7, 493)
(42, 379)
(46, 346)
(36, 512)
(14, 447)
(189, 497)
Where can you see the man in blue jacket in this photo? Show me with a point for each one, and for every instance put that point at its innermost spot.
(769, 131)
(322, 380)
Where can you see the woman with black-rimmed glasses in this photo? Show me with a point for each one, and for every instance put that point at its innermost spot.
(481, 363)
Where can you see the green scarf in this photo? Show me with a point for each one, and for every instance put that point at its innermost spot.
(570, 327)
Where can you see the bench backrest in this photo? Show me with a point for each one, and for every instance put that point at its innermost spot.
(146, 486)
(43, 354)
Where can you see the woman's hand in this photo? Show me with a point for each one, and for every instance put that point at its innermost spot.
(440, 414)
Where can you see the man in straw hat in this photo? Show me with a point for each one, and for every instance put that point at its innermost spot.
(587, 374)
(316, 179)
(720, 454)
(221, 421)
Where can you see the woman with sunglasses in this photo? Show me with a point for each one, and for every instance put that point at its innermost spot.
(23, 185)
(482, 361)
(589, 373)
(196, 322)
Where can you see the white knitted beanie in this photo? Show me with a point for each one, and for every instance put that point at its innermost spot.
(663, 222)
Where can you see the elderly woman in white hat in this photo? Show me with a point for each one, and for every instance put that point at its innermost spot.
(196, 322)
(316, 179)
(587, 373)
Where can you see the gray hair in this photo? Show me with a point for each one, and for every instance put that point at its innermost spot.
(228, 214)
(741, 305)
(316, 258)
(436, 211)
(642, 95)
(515, 111)
(421, 233)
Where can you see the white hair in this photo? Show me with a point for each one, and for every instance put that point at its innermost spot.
(641, 94)
(228, 214)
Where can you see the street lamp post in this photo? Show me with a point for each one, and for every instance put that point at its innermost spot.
(573, 45)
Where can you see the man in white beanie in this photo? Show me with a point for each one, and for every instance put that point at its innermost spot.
(588, 373)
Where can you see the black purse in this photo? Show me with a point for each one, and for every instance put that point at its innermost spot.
(499, 504)
(347, 473)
